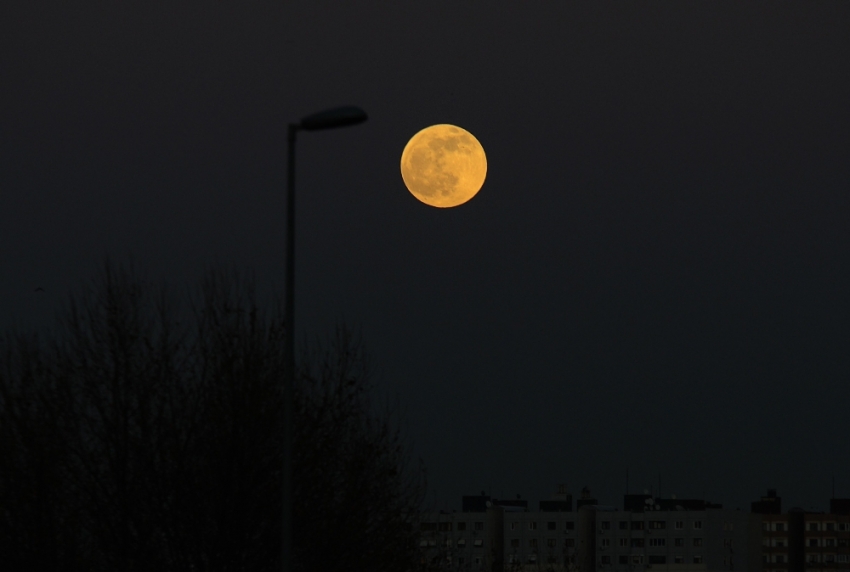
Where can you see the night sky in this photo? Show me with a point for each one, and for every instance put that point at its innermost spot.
(655, 275)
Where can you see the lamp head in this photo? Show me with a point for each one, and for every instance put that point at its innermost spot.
(332, 118)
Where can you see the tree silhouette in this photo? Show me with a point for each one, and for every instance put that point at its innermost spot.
(145, 434)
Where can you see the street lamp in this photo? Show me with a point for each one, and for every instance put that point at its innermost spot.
(329, 119)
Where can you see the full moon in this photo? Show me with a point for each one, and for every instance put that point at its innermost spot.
(443, 166)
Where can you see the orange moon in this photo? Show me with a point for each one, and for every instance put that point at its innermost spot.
(443, 166)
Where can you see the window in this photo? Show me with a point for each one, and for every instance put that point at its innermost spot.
(532, 543)
(511, 559)
(460, 561)
(829, 542)
(461, 526)
(727, 542)
(532, 558)
(514, 542)
(779, 542)
(813, 526)
(423, 542)
(678, 559)
(605, 543)
(478, 542)
(551, 525)
(569, 542)
(637, 525)
(680, 524)
(657, 559)
(813, 542)
(623, 559)
(637, 558)
(697, 524)
(624, 542)
(513, 526)
(461, 542)
(606, 525)
(657, 524)
(479, 525)
(697, 542)
(551, 559)
(532, 525)
(432, 542)
(569, 525)
(428, 526)
(842, 542)
(550, 542)
(813, 558)
(679, 542)
(605, 560)
(726, 561)
(637, 542)
(842, 526)
(780, 558)
(779, 527)
(830, 526)
(624, 525)
(829, 557)
(843, 558)
(658, 542)
(765, 526)
(478, 560)
(444, 526)
(697, 559)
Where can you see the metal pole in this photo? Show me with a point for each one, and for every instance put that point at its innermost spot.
(289, 355)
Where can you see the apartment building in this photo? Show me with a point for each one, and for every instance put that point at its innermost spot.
(661, 535)
(804, 541)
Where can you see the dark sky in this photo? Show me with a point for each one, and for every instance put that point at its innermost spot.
(655, 274)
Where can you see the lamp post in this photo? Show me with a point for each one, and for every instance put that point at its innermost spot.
(330, 119)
